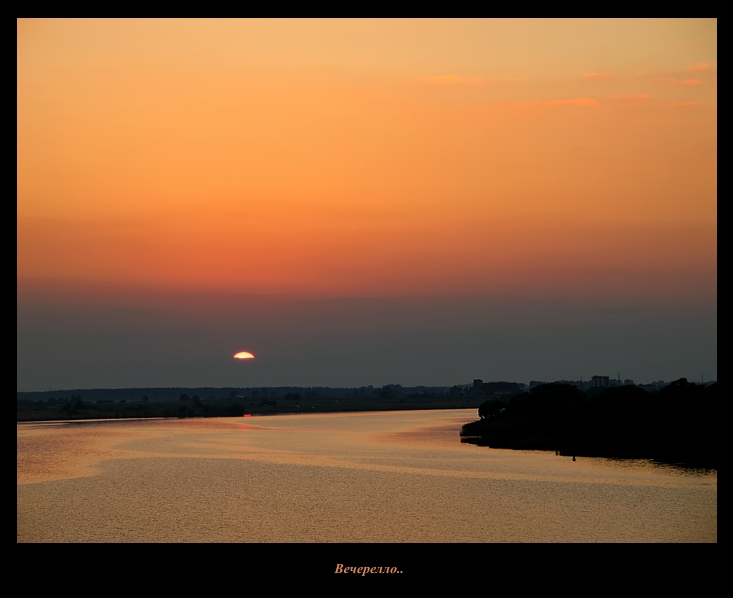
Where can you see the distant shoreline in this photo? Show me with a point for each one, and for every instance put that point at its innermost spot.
(171, 410)
(111, 420)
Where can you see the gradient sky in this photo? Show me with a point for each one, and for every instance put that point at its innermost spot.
(365, 201)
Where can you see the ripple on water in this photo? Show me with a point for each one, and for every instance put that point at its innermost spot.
(390, 477)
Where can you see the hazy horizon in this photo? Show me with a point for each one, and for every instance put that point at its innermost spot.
(365, 202)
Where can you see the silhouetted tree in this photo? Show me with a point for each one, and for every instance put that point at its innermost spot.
(491, 408)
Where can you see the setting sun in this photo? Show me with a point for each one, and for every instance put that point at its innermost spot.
(244, 355)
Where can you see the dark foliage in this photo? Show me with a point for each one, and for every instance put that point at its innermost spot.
(675, 425)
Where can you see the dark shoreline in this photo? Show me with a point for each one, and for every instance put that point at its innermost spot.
(677, 425)
(595, 452)
(229, 402)
(92, 415)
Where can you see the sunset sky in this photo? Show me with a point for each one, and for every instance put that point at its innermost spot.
(365, 202)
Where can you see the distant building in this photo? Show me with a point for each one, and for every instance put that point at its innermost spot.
(600, 382)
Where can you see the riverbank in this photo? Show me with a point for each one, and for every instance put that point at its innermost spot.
(677, 425)
(212, 407)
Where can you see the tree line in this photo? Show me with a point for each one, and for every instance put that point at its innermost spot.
(677, 424)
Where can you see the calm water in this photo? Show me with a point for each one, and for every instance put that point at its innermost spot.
(366, 477)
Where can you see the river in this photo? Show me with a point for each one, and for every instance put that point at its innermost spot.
(350, 477)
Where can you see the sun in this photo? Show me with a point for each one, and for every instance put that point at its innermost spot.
(244, 355)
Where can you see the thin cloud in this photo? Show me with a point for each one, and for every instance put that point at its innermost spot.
(699, 68)
(597, 75)
(573, 102)
(682, 104)
(681, 81)
(637, 96)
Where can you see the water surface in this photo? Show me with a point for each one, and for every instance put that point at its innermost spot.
(356, 477)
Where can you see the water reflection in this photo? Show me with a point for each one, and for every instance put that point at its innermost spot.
(358, 477)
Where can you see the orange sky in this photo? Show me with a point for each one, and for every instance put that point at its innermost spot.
(369, 157)
(365, 201)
